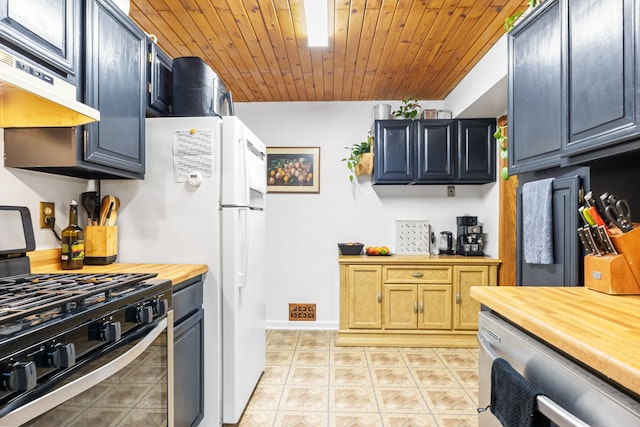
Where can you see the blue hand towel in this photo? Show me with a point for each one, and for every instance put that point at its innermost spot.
(537, 221)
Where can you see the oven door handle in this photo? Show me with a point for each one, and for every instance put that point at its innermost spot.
(545, 405)
(50, 400)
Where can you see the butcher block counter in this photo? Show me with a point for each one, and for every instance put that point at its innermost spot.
(47, 261)
(602, 331)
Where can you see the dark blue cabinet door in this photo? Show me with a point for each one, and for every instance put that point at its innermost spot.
(476, 151)
(159, 81)
(46, 30)
(566, 269)
(435, 140)
(602, 74)
(535, 90)
(115, 84)
(394, 152)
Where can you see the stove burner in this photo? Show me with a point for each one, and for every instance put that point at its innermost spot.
(25, 296)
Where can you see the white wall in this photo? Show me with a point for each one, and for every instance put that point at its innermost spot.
(304, 229)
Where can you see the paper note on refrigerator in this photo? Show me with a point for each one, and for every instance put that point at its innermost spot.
(192, 152)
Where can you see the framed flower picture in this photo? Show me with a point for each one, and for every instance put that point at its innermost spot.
(293, 169)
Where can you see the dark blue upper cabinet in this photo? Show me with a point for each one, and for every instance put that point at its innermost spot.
(476, 151)
(394, 152)
(574, 84)
(115, 62)
(436, 151)
(535, 100)
(602, 74)
(45, 30)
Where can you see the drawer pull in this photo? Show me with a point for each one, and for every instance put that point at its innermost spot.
(417, 274)
(415, 307)
(421, 307)
(379, 297)
(457, 297)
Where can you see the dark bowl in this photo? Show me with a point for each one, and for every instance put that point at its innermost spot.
(353, 249)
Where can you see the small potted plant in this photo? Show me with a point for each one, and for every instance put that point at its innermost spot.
(408, 110)
(360, 160)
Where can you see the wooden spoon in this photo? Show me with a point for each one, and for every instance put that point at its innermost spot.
(106, 208)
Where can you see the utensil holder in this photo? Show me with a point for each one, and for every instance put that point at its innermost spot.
(616, 274)
(101, 244)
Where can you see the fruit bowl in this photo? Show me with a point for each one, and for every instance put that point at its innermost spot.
(377, 251)
(350, 248)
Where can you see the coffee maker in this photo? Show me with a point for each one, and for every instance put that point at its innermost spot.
(470, 240)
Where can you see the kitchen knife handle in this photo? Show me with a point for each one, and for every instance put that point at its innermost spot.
(597, 218)
(586, 215)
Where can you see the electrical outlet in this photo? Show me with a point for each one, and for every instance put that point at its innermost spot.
(451, 191)
(47, 210)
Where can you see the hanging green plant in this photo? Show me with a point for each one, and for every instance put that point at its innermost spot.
(511, 20)
(356, 153)
(501, 139)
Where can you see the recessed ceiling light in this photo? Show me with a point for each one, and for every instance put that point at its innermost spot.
(316, 14)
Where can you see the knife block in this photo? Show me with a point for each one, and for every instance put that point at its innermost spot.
(100, 244)
(616, 274)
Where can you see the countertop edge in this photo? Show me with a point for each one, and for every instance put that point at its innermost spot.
(416, 259)
(47, 261)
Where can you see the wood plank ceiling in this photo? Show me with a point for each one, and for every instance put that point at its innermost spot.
(378, 49)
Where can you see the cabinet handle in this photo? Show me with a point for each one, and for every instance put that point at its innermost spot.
(421, 307)
(415, 307)
(457, 297)
(379, 297)
(417, 274)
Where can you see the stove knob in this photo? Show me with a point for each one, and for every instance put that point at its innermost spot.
(110, 331)
(161, 306)
(144, 314)
(62, 355)
(19, 376)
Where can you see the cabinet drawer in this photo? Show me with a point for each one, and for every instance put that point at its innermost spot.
(187, 299)
(418, 274)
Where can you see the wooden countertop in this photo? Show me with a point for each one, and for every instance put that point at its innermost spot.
(47, 261)
(416, 259)
(602, 331)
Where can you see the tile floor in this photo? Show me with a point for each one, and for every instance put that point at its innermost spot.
(309, 381)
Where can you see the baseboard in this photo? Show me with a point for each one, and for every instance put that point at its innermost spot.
(280, 324)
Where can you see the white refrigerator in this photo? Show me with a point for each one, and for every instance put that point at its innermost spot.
(203, 201)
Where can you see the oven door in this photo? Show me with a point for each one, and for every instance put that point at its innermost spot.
(574, 397)
(131, 384)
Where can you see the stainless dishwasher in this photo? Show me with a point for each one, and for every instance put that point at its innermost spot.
(574, 397)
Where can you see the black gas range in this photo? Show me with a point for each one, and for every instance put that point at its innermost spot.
(52, 325)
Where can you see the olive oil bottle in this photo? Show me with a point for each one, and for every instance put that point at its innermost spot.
(72, 253)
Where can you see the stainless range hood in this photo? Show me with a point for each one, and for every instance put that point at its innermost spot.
(32, 97)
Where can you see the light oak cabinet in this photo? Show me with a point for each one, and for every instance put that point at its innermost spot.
(465, 308)
(413, 301)
(365, 293)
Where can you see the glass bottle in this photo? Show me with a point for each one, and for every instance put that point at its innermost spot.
(72, 252)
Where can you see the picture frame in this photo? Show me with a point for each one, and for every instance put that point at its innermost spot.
(293, 169)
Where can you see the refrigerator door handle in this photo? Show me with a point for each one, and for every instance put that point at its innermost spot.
(244, 185)
(244, 248)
